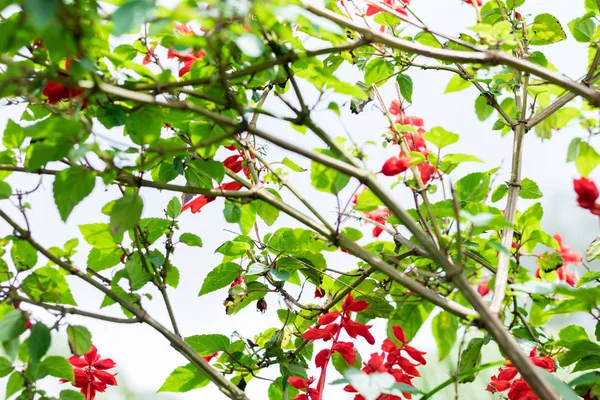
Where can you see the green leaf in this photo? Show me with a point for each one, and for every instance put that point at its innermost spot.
(529, 190)
(72, 185)
(377, 70)
(326, 179)
(546, 29)
(58, 367)
(591, 5)
(5, 190)
(99, 236)
(583, 28)
(48, 284)
(257, 268)
(564, 391)
(15, 383)
(457, 84)
(138, 275)
(174, 208)
(579, 350)
(233, 248)
(445, 327)
(440, 137)
(473, 187)
(593, 250)
(587, 159)
(470, 358)
(482, 108)
(220, 277)
(539, 58)
(99, 260)
(125, 214)
(367, 201)
(190, 239)
(11, 325)
(292, 165)
(184, 379)
(573, 149)
(499, 192)
(13, 135)
(71, 395)
(573, 333)
(38, 342)
(80, 339)
(23, 255)
(206, 345)
(406, 86)
(5, 367)
(132, 15)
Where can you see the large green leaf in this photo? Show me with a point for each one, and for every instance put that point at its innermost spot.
(38, 342)
(58, 367)
(326, 179)
(220, 277)
(183, 379)
(445, 328)
(48, 285)
(80, 339)
(546, 29)
(72, 185)
(126, 213)
(206, 345)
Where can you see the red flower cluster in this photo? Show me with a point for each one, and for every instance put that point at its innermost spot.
(379, 215)
(400, 367)
(587, 194)
(397, 5)
(58, 91)
(331, 330)
(479, 2)
(90, 373)
(304, 384)
(518, 388)
(188, 59)
(568, 257)
(236, 162)
(415, 140)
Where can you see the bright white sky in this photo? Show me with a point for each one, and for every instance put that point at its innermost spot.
(145, 359)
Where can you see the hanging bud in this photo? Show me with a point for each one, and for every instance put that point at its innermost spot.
(261, 305)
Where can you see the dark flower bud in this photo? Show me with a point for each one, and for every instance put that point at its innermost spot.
(261, 305)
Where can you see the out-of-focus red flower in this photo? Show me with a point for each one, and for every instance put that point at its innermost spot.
(57, 91)
(587, 194)
(426, 170)
(356, 195)
(183, 29)
(90, 373)
(518, 388)
(319, 293)
(379, 215)
(196, 204)
(238, 281)
(483, 288)
(149, 55)
(479, 2)
(304, 384)
(210, 357)
(398, 6)
(567, 255)
(396, 165)
(234, 163)
(187, 59)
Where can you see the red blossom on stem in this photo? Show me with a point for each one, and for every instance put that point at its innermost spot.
(483, 288)
(396, 5)
(394, 362)
(304, 384)
(479, 2)
(196, 204)
(587, 194)
(396, 165)
(90, 373)
(379, 215)
(568, 256)
(518, 388)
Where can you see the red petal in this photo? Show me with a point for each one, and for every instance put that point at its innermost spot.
(329, 317)
(92, 356)
(399, 333)
(415, 354)
(106, 363)
(321, 358)
(357, 329)
(197, 204)
(105, 377)
(346, 350)
(297, 382)
(78, 362)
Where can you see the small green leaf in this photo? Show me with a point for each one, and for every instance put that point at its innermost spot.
(587, 159)
(593, 250)
(5, 367)
(13, 135)
(71, 395)
(38, 342)
(256, 269)
(174, 208)
(292, 165)
(482, 108)
(59, 367)
(11, 325)
(80, 339)
(132, 15)
(405, 84)
(5, 190)
(529, 190)
(457, 84)
(23, 255)
(126, 213)
(190, 239)
(367, 201)
(71, 186)
(206, 345)
(440, 137)
(445, 327)
(377, 70)
(546, 29)
(573, 149)
(499, 192)
(220, 277)
(583, 28)
(470, 358)
(183, 379)
(15, 383)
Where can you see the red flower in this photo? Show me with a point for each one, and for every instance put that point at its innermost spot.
(518, 388)
(238, 281)
(149, 55)
(565, 251)
(396, 165)
(483, 288)
(479, 2)
(426, 170)
(57, 91)
(587, 194)
(183, 29)
(90, 374)
(304, 384)
(319, 293)
(379, 215)
(187, 59)
(234, 163)
(346, 350)
(395, 107)
(351, 305)
(196, 205)
(416, 142)
(210, 357)
(372, 9)
(355, 329)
